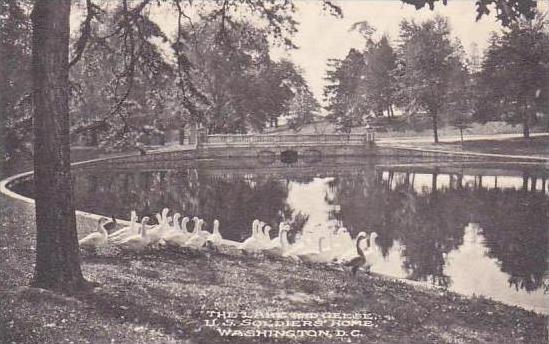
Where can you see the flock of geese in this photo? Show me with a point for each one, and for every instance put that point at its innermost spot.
(337, 247)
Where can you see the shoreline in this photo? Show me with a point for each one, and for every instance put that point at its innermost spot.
(164, 296)
(161, 296)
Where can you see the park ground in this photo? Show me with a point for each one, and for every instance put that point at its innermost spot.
(503, 144)
(163, 296)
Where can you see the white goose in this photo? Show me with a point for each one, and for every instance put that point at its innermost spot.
(266, 237)
(343, 246)
(96, 239)
(174, 228)
(196, 240)
(122, 233)
(320, 256)
(279, 245)
(215, 238)
(253, 243)
(184, 222)
(137, 242)
(156, 233)
(178, 238)
(275, 242)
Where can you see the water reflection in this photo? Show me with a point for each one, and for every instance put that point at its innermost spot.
(476, 229)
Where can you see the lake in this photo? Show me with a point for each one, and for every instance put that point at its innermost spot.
(474, 228)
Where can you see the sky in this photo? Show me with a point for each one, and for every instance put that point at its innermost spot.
(321, 36)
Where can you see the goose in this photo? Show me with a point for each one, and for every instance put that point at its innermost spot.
(156, 233)
(214, 239)
(178, 238)
(320, 256)
(253, 243)
(198, 223)
(261, 230)
(164, 214)
(266, 238)
(183, 226)
(96, 239)
(196, 240)
(174, 228)
(363, 257)
(201, 232)
(275, 242)
(122, 233)
(139, 241)
(280, 245)
(111, 225)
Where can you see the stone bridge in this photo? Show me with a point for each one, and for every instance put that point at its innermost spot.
(290, 146)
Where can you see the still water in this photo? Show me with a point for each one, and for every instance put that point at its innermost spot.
(477, 229)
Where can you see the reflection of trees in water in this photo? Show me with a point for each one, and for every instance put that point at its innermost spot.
(430, 224)
(515, 225)
(235, 203)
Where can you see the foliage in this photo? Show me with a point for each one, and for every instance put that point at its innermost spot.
(380, 76)
(460, 97)
(345, 94)
(120, 87)
(515, 74)
(243, 87)
(363, 84)
(427, 60)
(507, 11)
(15, 80)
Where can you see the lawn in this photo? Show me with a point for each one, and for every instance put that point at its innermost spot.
(538, 146)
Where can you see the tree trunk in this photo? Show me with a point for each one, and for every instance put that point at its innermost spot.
(182, 135)
(57, 252)
(526, 124)
(435, 127)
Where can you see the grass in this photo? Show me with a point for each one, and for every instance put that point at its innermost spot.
(517, 146)
(163, 296)
(534, 146)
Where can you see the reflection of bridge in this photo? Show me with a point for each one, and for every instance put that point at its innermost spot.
(471, 175)
(276, 145)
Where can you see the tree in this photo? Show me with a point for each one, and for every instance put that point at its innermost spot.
(363, 84)
(427, 59)
(57, 253)
(15, 79)
(345, 94)
(515, 74)
(380, 81)
(460, 97)
(507, 11)
(134, 79)
(303, 109)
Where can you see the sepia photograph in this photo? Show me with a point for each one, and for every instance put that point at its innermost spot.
(274, 171)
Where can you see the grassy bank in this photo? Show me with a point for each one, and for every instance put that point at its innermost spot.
(537, 146)
(517, 146)
(163, 297)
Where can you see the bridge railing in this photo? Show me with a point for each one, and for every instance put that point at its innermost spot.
(286, 138)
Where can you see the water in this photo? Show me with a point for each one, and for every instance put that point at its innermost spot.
(477, 229)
